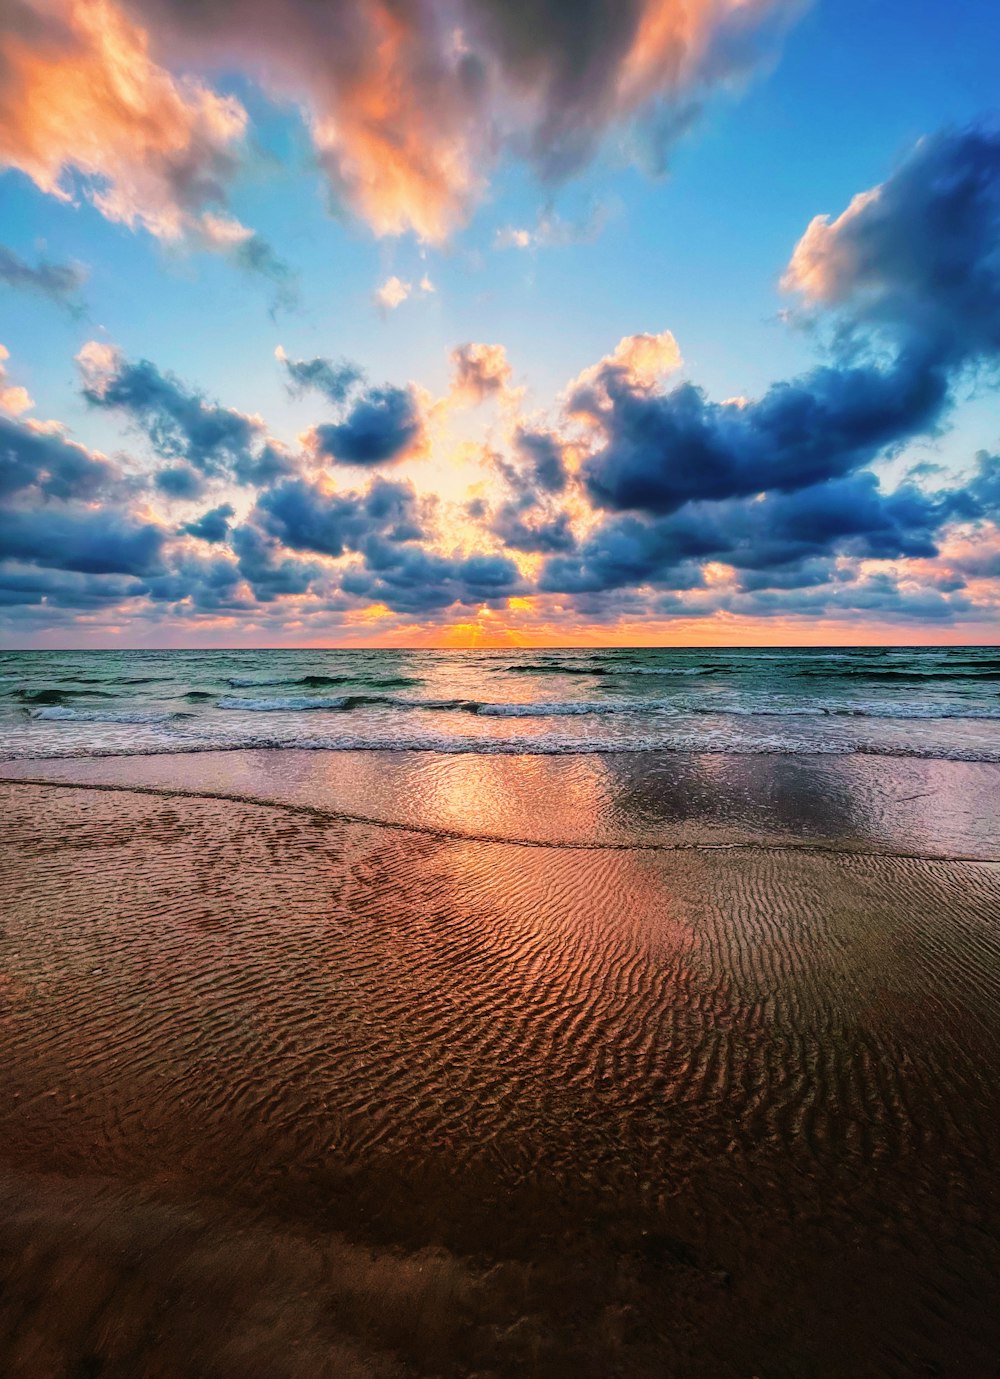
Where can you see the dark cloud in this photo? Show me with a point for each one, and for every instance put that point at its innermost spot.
(180, 481)
(103, 541)
(270, 574)
(59, 282)
(409, 579)
(212, 526)
(664, 450)
(32, 587)
(982, 490)
(214, 584)
(917, 259)
(334, 380)
(49, 465)
(519, 525)
(383, 425)
(306, 518)
(181, 424)
(848, 516)
(543, 453)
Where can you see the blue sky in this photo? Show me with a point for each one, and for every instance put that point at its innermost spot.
(791, 127)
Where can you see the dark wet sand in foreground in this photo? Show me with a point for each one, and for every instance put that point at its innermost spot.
(292, 1095)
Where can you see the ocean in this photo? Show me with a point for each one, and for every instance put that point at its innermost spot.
(937, 702)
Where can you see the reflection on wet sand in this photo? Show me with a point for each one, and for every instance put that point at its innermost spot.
(905, 805)
(291, 1096)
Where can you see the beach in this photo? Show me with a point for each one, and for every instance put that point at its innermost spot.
(405, 1064)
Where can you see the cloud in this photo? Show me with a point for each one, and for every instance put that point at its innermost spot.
(180, 423)
(89, 541)
(480, 371)
(383, 425)
(268, 572)
(334, 381)
(180, 481)
(544, 454)
(14, 399)
(253, 254)
(38, 462)
(551, 230)
(664, 450)
(394, 291)
(83, 106)
(538, 537)
(307, 516)
(849, 515)
(638, 362)
(410, 105)
(213, 525)
(59, 282)
(915, 259)
(410, 579)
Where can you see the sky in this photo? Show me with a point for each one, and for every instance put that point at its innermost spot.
(481, 322)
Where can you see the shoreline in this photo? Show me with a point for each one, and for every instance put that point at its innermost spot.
(654, 800)
(331, 815)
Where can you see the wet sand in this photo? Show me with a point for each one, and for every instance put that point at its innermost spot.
(287, 1093)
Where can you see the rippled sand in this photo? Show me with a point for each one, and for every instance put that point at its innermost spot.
(287, 1095)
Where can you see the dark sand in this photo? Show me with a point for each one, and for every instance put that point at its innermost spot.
(288, 1095)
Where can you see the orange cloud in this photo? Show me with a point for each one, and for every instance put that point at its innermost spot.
(823, 258)
(411, 104)
(13, 398)
(642, 360)
(80, 95)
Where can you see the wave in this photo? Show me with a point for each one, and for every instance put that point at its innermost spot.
(319, 681)
(916, 677)
(346, 702)
(64, 715)
(573, 708)
(545, 745)
(552, 670)
(297, 703)
(56, 696)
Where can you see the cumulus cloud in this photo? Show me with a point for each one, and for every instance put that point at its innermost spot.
(663, 450)
(638, 362)
(14, 399)
(213, 525)
(308, 516)
(91, 542)
(411, 104)
(38, 461)
(480, 371)
(394, 291)
(916, 257)
(382, 426)
(181, 424)
(59, 282)
(410, 579)
(643, 498)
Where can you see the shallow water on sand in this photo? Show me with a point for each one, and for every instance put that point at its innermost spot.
(290, 1095)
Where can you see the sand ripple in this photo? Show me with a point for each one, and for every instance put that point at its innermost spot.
(634, 1111)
